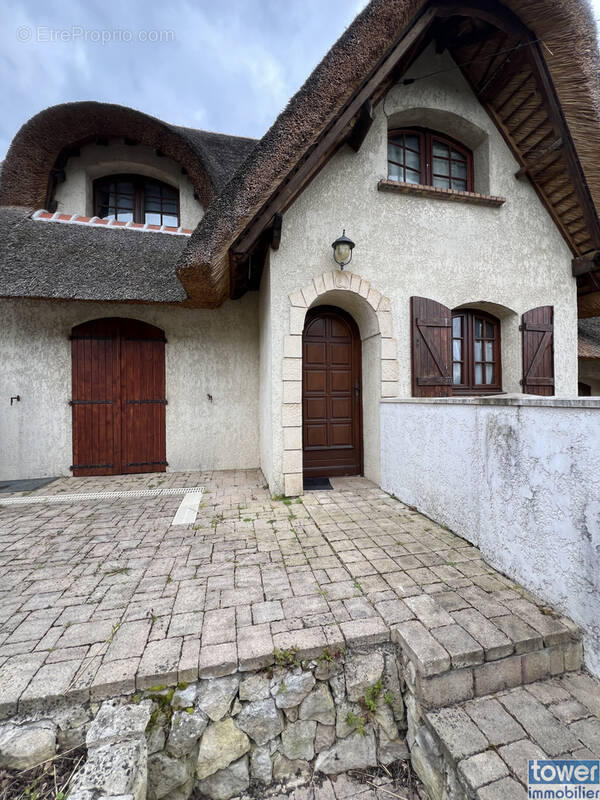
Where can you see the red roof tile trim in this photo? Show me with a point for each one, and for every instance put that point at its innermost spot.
(77, 219)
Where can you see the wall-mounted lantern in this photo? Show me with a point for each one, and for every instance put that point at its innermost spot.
(342, 250)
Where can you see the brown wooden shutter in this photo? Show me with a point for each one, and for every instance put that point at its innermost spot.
(431, 337)
(538, 351)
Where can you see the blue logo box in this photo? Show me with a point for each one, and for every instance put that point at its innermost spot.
(563, 772)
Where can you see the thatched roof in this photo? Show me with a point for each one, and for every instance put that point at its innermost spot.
(544, 101)
(84, 262)
(570, 54)
(43, 143)
(589, 338)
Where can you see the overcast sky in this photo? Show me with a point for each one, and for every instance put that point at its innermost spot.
(222, 65)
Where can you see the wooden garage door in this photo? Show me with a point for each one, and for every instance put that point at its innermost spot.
(118, 397)
(331, 403)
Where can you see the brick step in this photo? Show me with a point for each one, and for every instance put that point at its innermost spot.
(480, 749)
(453, 657)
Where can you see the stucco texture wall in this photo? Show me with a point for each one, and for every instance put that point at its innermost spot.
(522, 482)
(506, 260)
(75, 195)
(207, 352)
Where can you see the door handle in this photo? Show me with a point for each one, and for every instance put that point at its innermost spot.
(356, 390)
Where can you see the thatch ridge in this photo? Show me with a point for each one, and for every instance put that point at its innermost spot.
(209, 158)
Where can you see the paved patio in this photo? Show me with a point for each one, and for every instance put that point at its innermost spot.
(100, 597)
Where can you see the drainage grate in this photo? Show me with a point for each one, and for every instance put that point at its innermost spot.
(75, 498)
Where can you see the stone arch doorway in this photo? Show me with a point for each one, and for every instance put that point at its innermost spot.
(372, 312)
(331, 394)
(118, 397)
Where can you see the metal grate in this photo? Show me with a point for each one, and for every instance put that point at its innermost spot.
(75, 498)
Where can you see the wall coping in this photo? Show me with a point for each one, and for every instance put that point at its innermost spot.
(523, 400)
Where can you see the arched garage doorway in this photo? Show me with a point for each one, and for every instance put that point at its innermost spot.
(118, 397)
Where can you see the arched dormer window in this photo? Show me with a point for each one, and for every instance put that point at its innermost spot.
(136, 198)
(416, 155)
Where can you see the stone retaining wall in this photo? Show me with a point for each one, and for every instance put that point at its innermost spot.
(342, 711)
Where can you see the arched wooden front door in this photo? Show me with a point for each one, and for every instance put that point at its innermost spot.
(118, 397)
(331, 389)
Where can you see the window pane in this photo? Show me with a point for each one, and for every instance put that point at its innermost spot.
(459, 186)
(441, 167)
(459, 170)
(489, 330)
(151, 204)
(479, 328)
(151, 189)
(169, 206)
(412, 177)
(170, 220)
(413, 160)
(152, 219)
(478, 351)
(489, 351)
(457, 326)
(395, 172)
(478, 374)
(457, 373)
(413, 143)
(457, 349)
(489, 374)
(125, 216)
(440, 149)
(458, 156)
(396, 153)
(441, 183)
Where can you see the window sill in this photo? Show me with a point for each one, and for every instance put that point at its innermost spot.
(476, 392)
(398, 187)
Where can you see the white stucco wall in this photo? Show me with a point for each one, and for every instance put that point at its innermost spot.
(265, 334)
(521, 481)
(207, 352)
(506, 260)
(75, 195)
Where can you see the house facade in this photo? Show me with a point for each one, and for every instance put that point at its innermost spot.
(171, 300)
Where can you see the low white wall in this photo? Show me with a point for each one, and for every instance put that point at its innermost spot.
(519, 478)
(208, 352)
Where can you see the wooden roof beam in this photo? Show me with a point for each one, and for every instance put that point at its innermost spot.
(555, 115)
(362, 126)
(512, 64)
(539, 160)
(276, 231)
(583, 265)
(501, 17)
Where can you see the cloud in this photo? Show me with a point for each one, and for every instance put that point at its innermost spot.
(222, 66)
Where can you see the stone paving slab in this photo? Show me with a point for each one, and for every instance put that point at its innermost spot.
(489, 741)
(120, 599)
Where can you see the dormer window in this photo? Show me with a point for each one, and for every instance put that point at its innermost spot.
(135, 198)
(429, 158)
